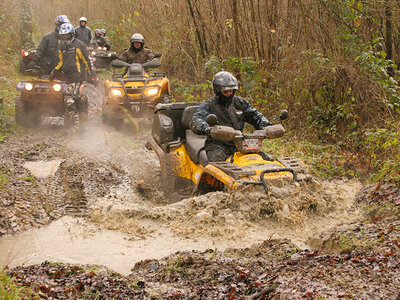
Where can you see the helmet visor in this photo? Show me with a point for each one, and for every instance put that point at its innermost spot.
(227, 88)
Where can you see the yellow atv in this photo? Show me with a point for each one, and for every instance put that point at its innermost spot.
(183, 159)
(134, 93)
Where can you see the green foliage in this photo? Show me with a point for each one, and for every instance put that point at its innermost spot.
(376, 64)
(9, 290)
(382, 148)
(185, 92)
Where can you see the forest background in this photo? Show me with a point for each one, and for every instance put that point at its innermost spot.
(331, 63)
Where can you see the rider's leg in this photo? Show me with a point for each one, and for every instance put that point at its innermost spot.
(81, 89)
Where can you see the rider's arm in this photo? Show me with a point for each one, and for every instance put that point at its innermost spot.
(60, 63)
(149, 54)
(253, 117)
(83, 55)
(198, 123)
(124, 56)
(40, 49)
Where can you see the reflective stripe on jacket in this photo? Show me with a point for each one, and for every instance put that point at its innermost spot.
(74, 59)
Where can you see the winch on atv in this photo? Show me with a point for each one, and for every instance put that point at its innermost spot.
(134, 93)
(183, 159)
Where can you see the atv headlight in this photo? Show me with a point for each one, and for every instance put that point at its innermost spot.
(93, 53)
(116, 92)
(98, 48)
(28, 86)
(26, 53)
(57, 87)
(104, 49)
(152, 92)
(109, 54)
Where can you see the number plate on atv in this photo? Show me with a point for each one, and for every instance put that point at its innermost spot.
(251, 144)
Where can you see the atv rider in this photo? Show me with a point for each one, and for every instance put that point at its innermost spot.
(107, 40)
(99, 40)
(46, 56)
(230, 110)
(82, 32)
(137, 53)
(76, 65)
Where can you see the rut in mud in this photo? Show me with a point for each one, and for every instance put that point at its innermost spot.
(93, 197)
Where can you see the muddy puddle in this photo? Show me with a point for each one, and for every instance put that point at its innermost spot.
(123, 227)
(111, 179)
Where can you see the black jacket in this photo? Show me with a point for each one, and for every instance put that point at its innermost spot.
(84, 34)
(233, 114)
(47, 52)
(75, 61)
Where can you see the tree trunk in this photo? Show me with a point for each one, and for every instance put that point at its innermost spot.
(196, 26)
(236, 26)
(26, 37)
(389, 34)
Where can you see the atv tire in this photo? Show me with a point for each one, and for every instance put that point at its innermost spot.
(25, 118)
(22, 66)
(21, 117)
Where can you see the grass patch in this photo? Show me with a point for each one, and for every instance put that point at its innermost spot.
(323, 160)
(10, 290)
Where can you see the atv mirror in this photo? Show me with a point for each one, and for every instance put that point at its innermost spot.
(212, 120)
(151, 64)
(157, 55)
(116, 63)
(284, 115)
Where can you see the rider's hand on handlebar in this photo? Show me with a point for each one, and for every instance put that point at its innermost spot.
(208, 131)
(52, 75)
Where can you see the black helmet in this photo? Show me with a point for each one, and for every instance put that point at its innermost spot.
(224, 81)
(137, 37)
(60, 20)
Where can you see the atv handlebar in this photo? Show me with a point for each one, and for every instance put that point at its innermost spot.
(226, 133)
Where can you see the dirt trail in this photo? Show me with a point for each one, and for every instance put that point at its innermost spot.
(103, 204)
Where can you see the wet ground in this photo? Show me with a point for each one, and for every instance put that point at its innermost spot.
(92, 197)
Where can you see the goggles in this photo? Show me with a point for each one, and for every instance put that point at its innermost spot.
(229, 88)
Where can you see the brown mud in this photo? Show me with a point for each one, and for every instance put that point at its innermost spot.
(93, 196)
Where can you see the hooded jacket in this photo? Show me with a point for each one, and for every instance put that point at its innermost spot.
(46, 55)
(75, 61)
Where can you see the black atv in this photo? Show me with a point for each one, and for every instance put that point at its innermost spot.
(41, 98)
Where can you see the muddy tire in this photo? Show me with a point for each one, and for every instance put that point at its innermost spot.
(21, 117)
(67, 120)
(22, 66)
(84, 109)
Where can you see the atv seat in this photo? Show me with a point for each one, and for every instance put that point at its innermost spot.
(194, 142)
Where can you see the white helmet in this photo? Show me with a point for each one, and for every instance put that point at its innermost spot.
(83, 19)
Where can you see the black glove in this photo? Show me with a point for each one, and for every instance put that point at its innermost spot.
(52, 75)
(208, 131)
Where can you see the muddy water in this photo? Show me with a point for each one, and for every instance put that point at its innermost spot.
(124, 228)
(132, 221)
(73, 240)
